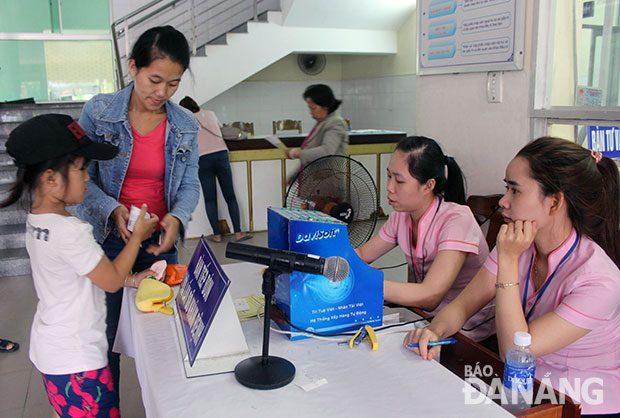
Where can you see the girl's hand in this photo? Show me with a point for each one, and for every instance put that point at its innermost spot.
(422, 336)
(144, 228)
(136, 278)
(516, 237)
(171, 226)
(120, 215)
(141, 275)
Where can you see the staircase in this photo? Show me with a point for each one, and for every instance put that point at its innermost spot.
(230, 43)
(240, 55)
(14, 259)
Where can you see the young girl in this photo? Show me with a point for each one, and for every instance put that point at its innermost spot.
(554, 272)
(68, 343)
(442, 241)
(157, 163)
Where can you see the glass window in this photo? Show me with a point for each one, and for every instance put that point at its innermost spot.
(584, 53)
(602, 138)
(577, 70)
(25, 76)
(55, 70)
(25, 16)
(85, 16)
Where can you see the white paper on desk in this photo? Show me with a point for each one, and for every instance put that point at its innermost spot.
(224, 345)
(276, 142)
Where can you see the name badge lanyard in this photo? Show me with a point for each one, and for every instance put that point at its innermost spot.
(542, 290)
(419, 277)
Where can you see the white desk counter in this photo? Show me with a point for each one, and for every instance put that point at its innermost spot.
(390, 382)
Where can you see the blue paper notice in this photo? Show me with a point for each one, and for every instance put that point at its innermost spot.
(199, 297)
(605, 139)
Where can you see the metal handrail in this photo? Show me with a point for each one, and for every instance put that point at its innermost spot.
(194, 18)
(136, 12)
(154, 12)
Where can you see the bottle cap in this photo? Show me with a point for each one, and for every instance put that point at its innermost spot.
(522, 339)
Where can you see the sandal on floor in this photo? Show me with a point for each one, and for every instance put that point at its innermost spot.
(212, 239)
(245, 237)
(5, 343)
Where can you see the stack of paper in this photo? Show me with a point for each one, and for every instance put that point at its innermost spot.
(276, 142)
(247, 307)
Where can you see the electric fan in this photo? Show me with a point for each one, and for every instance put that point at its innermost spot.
(341, 187)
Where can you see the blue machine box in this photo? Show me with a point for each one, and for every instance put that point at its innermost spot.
(313, 302)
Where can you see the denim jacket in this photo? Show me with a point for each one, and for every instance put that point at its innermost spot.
(104, 118)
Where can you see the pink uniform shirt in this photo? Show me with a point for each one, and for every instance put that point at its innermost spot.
(585, 291)
(444, 226)
(209, 143)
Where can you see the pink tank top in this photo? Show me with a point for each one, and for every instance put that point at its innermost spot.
(144, 180)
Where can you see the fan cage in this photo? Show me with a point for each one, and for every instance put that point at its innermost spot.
(337, 179)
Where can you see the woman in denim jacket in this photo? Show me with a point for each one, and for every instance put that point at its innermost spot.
(157, 163)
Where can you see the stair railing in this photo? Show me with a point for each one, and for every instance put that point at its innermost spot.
(201, 21)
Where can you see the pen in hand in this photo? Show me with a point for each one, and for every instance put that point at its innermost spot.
(434, 343)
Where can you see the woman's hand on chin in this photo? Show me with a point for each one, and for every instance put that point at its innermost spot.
(516, 237)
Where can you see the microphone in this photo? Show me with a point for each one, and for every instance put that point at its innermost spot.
(334, 268)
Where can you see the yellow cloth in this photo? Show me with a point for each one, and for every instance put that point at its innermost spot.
(152, 296)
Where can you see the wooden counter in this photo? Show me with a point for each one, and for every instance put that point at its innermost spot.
(260, 171)
(355, 138)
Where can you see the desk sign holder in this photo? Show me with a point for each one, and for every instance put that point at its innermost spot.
(209, 330)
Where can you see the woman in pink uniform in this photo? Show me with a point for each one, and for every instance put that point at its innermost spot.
(439, 235)
(554, 272)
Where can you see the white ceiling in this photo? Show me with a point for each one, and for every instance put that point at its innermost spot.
(348, 14)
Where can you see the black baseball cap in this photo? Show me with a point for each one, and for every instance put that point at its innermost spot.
(50, 136)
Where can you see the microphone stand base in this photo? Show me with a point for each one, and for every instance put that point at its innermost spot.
(272, 374)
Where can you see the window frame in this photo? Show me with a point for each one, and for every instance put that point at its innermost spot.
(542, 114)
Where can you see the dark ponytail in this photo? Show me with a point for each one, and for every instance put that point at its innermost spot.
(609, 237)
(27, 178)
(427, 161)
(590, 184)
(455, 183)
(18, 188)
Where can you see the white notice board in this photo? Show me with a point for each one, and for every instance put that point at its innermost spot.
(457, 36)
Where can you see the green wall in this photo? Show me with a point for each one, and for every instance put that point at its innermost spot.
(22, 70)
(32, 68)
(25, 16)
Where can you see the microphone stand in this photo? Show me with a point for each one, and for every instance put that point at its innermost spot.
(266, 372)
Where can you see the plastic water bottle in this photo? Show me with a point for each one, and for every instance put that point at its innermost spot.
(519, 374)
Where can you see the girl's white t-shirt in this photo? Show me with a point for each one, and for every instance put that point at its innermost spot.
(68, 329)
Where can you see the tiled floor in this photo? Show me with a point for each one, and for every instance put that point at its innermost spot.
(21, 389)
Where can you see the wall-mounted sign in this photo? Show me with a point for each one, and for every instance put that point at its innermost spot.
(470, 35)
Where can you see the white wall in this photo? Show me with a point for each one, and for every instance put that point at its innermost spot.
(380, 103)
(121, 8)
(262, 102)
(482, 136)
(275, 93)
(374, 103)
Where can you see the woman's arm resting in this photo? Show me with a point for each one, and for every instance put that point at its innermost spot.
(449, 321)
(429, 293)
(374, 249)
